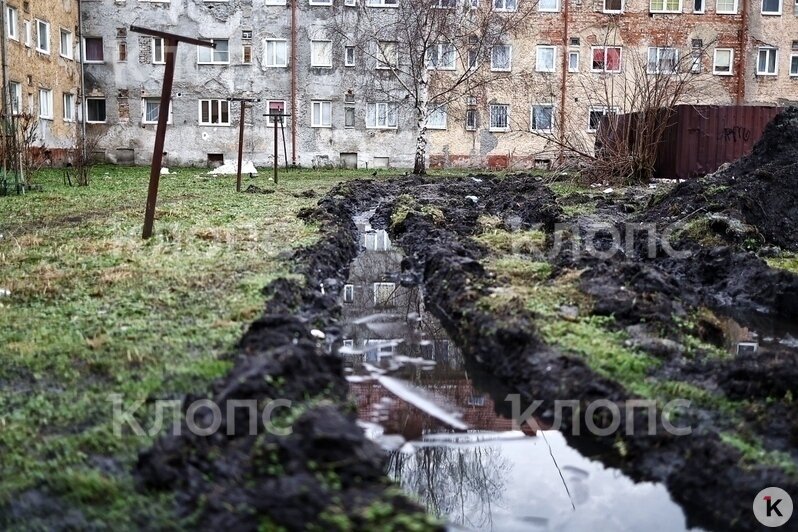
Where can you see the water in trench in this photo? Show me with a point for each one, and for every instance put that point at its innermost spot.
(448, 447)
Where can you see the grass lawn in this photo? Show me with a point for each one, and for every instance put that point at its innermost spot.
(94, 310)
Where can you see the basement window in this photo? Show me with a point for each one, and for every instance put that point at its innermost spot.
(95, 110)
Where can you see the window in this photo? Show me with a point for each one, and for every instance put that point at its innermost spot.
(473, 58)
(383, 3)
(771, 7)
(665, 6)
(46, 104)
(214, 113)
(445, 4)
(349, 117)
(545, 58)
(276, 53)
(548, 5)
(349, 56)
(767, 62)
(42, 37)
(382, 115)
(69, 107)
(722, 64)
(699, 6)
(542, 118)
(441, 56)
(697, 53)
(573, 61)
(150, 110)
(383, 293)
(246, 54)
(350, 3)
(11, 23)
(321, 114)
(276, 107)
(321, 2)
(214, 56)
(387, 55)
(28, 33)
(121, 51)
(66, 44)
(349, 293)
(93, 49)
(606, 58)
(95, 110)
(471, 120)
(504, 5)
(726, 7)
(499, 117)
(321, 53)
(158, 51)
(274, 2)
(437, 118)
(794, 64)
(501, 58)
(595, 115)
(15, 90)
(613, 6)
(662, 60)
(246, 34)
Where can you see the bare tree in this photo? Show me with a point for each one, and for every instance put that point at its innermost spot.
(85, 144)
(430, 54)
(22, 152)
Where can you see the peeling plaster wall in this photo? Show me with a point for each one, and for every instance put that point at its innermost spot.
(124, 84)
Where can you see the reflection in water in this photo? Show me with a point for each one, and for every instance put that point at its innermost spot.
(448, 445)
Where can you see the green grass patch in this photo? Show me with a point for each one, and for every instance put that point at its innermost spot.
(787, 262)
(500, 241)
(405, 204)
(520, 270)
(755, 454)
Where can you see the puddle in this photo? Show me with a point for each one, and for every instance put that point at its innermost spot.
(448, 446)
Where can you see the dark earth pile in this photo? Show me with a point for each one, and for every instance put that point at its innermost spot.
(760, 190)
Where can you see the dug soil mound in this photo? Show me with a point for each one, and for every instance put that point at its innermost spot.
(754, 198)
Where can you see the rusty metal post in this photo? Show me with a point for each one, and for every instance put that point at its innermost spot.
(275, 149)
(240, 145)
(160, 137)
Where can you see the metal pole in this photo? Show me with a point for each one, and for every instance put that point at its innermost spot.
(275, 148)
(285, 148)
(160, 136)
(240, 145)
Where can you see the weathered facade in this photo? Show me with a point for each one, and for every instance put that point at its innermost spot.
(41, 71)
(572, 61)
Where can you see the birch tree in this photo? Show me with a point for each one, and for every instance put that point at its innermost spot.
(426, 55)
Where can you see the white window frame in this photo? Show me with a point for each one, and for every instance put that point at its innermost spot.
(703, 7)
(157, 99)
(605, 10)
(393, 4)
(572, 68)
(439, 110)
(99, 98)
(162, 60)
(350, 3)
(218, 102)
(274, 2)
(321, 104)
(508, 6)
(793, 56)
(773, 50)
(659, 52)
(15, 93)
(599, 108)
(68, 117)
(555, 9)
(349, 61)
(541, 48)
(377, 289)
(605, 69)
(271, 119)
(532, 117)
(349, 294)
(39, 24)
(28, 27)
(69, 45)
(491, 127)
(509, 68)
(383, 61)
(387, 106)
(93, 61)
(12, 23)
(772, 13)
(321, 3)
(715, 70)
(212, 51)
(439, 51)
(46, 95)
(244, 47)
(732, 12)
(664, 7)
(319, 42)
(271, 62)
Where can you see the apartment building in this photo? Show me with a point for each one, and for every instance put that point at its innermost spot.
(41, 71)
(574, 60)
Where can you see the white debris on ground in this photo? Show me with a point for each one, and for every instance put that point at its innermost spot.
(231, 168)
(5, 292)
(164, 171)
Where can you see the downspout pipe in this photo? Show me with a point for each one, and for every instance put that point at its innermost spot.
(563, 79)
(82, 83)
(294, 111)
(740, 93)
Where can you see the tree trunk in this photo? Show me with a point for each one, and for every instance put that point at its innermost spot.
(422, 115)
(420, 165)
